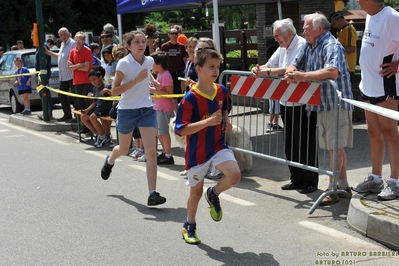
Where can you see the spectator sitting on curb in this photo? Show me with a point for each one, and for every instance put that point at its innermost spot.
(99, 107)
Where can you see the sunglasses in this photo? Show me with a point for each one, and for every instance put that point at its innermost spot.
(173, 33)
(105, 36)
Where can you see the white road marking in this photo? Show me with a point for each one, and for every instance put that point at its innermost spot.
(13, 136)
(165, 176)
(160, 174)
(4, 130)
(37, 134)
(348, 239)
(234, 199)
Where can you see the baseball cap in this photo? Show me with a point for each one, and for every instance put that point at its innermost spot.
(335, 16)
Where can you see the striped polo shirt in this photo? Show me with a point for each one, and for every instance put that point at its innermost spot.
(327, 52)
(63, 56)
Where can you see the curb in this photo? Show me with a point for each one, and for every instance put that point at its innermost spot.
(39, 125)
(372, 223)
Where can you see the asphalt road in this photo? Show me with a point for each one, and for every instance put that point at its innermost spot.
(56, 210)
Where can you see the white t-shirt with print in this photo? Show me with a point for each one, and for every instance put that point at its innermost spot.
(380, 40)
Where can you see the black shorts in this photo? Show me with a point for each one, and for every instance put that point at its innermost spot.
(99, 111)
(376, 100)
(113, 112)
(25, 91)
(136, 133)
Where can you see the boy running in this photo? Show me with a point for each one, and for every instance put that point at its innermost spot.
(202, 118)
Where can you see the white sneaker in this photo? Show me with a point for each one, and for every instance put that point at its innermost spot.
(101, 142)
(390, 192)
(133, 153)
(136, 154)
(97, 138)
(369, 185)
(142, 159)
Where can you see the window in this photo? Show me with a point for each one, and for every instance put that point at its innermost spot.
(29, 60)
(7, 62)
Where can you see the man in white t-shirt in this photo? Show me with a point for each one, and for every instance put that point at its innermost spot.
(300, 125)
(380, 86)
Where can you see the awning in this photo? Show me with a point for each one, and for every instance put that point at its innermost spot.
(142, 6)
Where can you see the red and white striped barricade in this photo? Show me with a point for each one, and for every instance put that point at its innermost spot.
(276, 89)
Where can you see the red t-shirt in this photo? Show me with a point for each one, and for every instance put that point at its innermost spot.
(176, 53)
(80, 56)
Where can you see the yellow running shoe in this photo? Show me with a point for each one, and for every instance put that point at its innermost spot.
(189, 232)
(214, 205)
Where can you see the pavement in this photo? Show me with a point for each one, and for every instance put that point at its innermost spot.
(378, 220)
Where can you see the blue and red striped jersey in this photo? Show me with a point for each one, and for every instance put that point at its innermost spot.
(196, 106)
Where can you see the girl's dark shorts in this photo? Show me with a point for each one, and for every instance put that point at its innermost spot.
(25, 91)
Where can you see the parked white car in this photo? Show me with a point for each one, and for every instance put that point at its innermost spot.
(9, 92)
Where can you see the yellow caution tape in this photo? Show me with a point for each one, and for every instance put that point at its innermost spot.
(168, 96)
(17, 75)
(110, 98)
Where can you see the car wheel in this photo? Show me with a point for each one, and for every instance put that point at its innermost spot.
(16, 107)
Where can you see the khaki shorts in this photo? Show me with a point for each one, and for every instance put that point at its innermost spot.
(325, 125)
(197, 173)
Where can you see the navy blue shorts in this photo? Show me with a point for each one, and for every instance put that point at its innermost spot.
(99, 111)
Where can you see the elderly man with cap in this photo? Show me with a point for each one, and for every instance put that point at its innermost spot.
(300, 125)
(347, 36)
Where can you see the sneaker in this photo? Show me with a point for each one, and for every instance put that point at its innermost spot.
(136, 154)
(108, 140)
(390, 192)
(142, 158)
(25, 112)
(64, 119)
(41, 117)
(189, 232)
(269, 127)
(166, 160)
(369, 185)
(330, 199)
(214, 205)
(277, 127)
(155, 199)
(106, 170)
(160, 156)
(101, 142)
(97, 138)
(133, 153)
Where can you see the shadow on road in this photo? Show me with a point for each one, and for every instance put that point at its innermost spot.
(228, 256)
(160, 215)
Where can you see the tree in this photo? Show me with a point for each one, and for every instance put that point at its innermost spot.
(19, 16)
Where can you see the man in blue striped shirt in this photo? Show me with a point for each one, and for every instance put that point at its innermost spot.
(323, 58)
